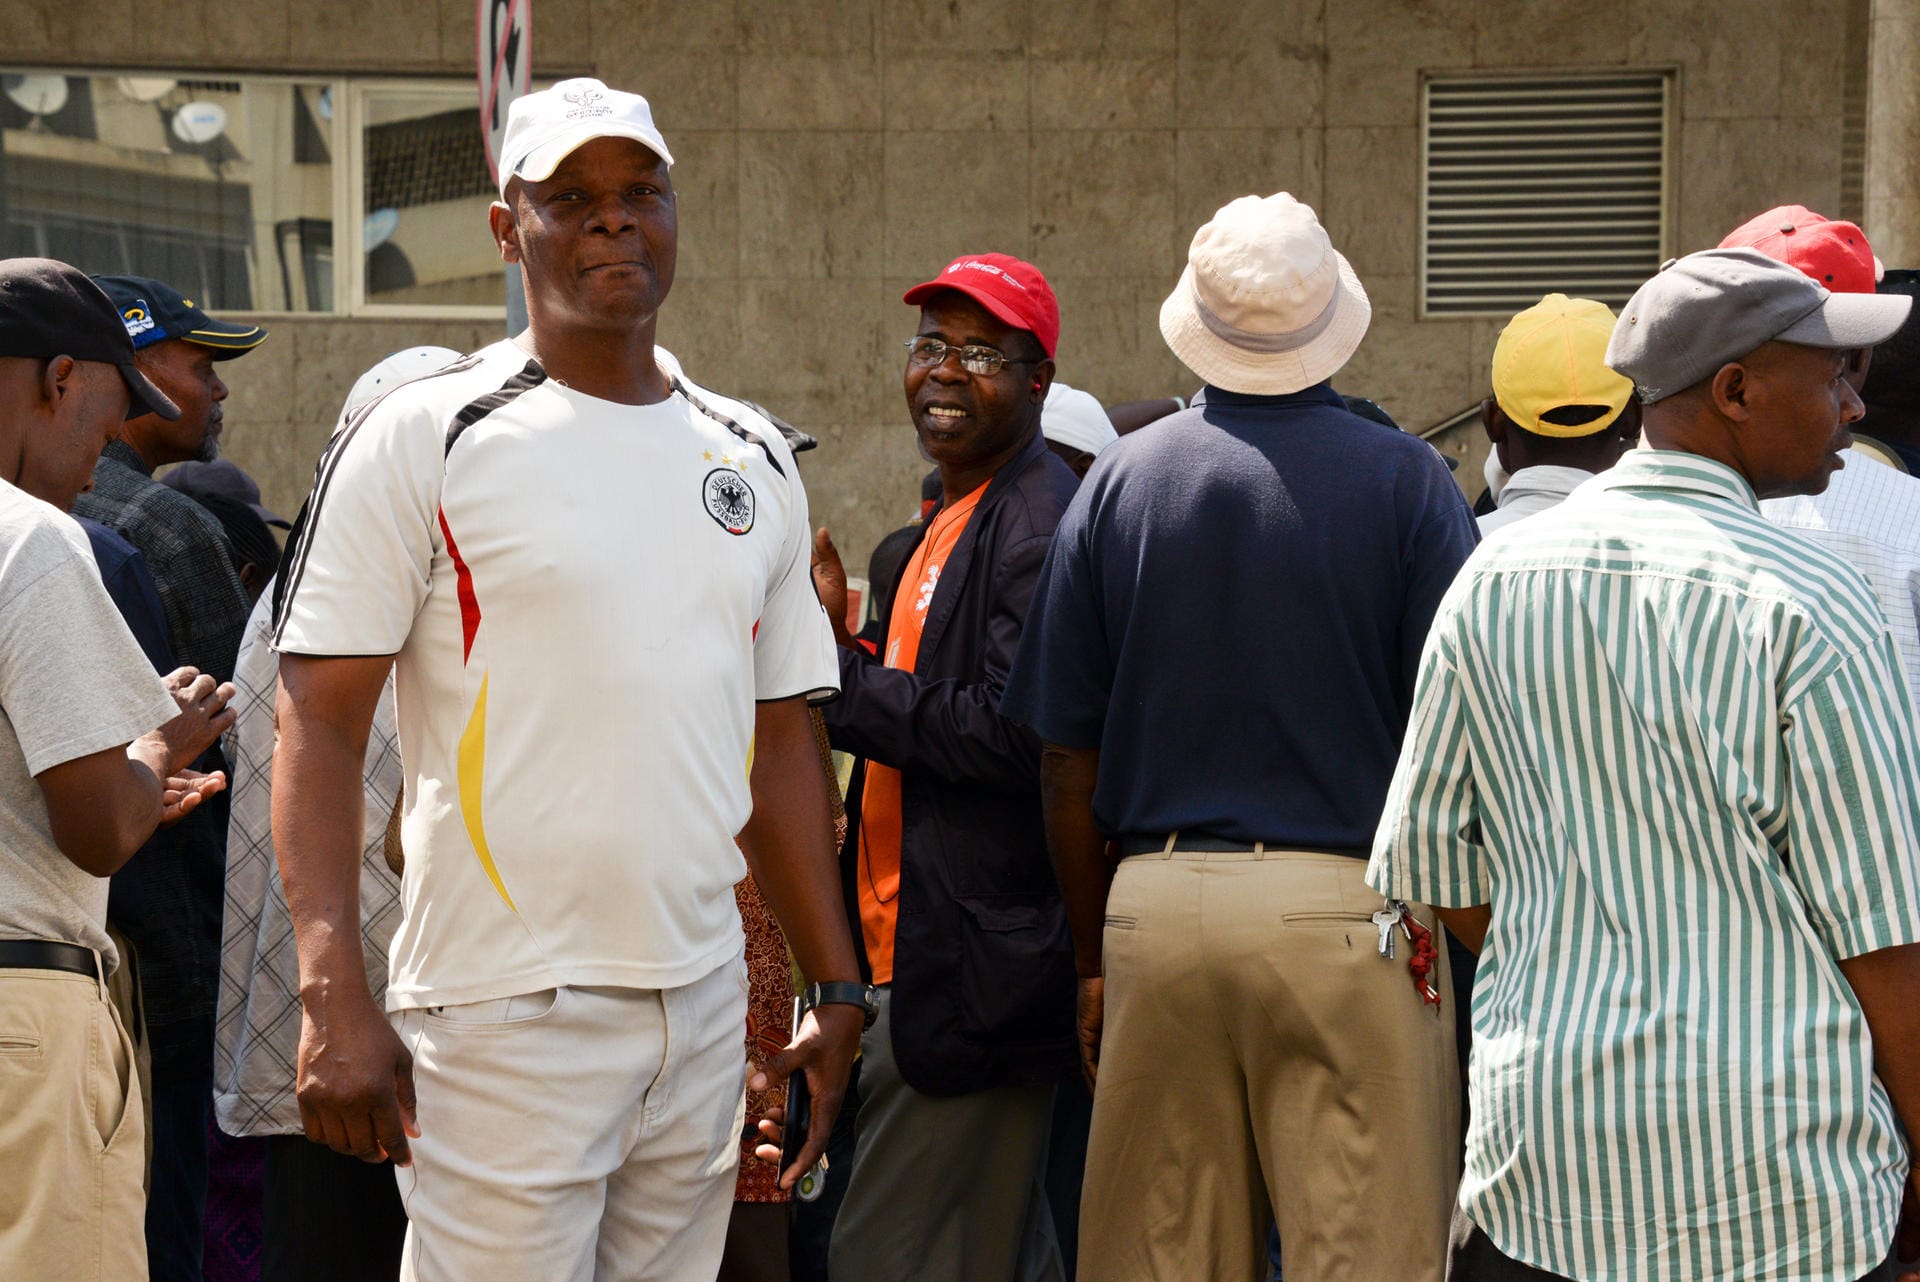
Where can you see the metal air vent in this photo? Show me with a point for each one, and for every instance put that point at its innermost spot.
(1532, 185)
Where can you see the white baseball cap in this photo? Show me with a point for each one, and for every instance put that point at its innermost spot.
(1075, 419)
(401, 367)
(544, 128)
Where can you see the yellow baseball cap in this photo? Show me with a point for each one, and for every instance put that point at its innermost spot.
(1553, 355)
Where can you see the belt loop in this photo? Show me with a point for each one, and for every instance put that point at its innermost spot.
(1173, 839)
(1259, 850)
(100, 974)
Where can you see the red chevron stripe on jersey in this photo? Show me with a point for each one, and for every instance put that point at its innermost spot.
(463, 584)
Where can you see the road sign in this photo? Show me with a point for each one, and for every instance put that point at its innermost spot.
(504, 53)
(504, 56)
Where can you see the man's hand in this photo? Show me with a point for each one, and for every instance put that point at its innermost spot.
(1090, 1013)
(181, 794)
(830, 582)
(355, 1084)
(204, 717)
(823, 1049)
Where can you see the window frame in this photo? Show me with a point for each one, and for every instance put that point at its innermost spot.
(348, 177)
(1669, 74)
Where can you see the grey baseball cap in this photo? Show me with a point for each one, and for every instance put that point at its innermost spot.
(1709, 308)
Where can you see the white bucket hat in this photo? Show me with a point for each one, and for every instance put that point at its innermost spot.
(1266, 305)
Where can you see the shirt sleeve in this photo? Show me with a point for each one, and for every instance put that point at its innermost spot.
(1062, 673)
(793, 640)
(360, 562)
(73, 681)
(1852, 755)
(1428, 848)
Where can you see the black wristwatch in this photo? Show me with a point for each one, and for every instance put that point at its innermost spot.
(845, 993)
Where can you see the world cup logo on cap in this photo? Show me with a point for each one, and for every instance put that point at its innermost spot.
(586, 103)
(729, 500)
(138, 319)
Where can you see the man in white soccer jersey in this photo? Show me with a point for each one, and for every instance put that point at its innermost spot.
(1662, 763)
(593, 579)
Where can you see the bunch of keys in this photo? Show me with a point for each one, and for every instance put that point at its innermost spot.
(1398, 916)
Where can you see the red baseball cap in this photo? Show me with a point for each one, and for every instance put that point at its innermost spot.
(1014, 291)
(1835, 254)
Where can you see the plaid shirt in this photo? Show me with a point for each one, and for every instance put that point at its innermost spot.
(185, 549)
(258, 1035)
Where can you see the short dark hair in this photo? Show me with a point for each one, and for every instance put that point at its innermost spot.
(1893, 378)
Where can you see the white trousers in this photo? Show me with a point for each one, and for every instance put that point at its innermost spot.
(576, 1135)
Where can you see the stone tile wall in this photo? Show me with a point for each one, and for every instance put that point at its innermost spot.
(833, 152)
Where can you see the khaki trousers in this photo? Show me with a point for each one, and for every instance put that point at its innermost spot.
(1262, 1062)
(72, 1143)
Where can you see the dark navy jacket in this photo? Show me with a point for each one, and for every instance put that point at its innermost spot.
(983, 984)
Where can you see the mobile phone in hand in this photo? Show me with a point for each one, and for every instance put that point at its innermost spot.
(812, 1182)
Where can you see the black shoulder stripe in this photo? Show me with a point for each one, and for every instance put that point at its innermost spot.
(730, 425)
(293, 560)
(529, 377)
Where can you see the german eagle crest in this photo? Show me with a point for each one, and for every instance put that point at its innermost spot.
(729, 500)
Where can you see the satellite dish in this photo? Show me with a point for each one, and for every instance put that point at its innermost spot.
(37, 95)
(144, 88)
(379, 227)
(199, 122)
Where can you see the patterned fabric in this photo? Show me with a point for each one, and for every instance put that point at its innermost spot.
(185, 549)
(236, 1178)
(1669, 743)
(770, 988)
(1869, 517)
(258, 1035)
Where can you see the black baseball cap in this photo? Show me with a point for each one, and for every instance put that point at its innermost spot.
(49, 309)
(224, 479)
(154, 311)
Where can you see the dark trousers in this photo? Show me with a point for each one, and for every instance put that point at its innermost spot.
(1476, 1259)
(1067, 1166)
(329, 1217)
(182, 1106)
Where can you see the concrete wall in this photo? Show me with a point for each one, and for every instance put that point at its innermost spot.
(835, 151)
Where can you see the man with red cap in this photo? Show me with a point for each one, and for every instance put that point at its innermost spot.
(963, 932)
(1869, 514)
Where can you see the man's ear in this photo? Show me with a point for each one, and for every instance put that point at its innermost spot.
(1730, 387)
(1493, 421)
(59, 380)
(506, 231)
(1042, 380)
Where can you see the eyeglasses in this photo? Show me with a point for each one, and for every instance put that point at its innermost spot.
(975, 359)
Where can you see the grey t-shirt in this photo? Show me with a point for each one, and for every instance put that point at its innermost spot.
(72, 682)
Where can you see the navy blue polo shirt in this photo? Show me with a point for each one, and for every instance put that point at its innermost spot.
(1232, 612)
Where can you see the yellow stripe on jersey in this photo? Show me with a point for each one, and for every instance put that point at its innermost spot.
(471, 765)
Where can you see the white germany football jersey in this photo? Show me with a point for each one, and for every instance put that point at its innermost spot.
(586, 599)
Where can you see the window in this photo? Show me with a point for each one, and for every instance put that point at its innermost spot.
(1540, 184)
(258, 194)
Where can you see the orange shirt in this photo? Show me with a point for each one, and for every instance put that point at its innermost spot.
(880, 803)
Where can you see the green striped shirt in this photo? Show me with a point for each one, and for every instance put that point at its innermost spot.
(1668, 742)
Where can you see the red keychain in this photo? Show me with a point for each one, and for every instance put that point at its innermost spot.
(1425, 955)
